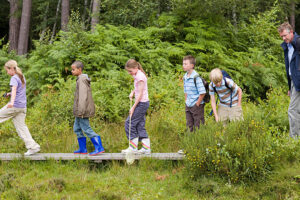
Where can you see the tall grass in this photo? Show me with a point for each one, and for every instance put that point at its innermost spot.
(247, 150)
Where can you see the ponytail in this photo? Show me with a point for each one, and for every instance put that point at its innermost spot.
(131, 63)
(20, 74)
(140, 68)
(13, 64)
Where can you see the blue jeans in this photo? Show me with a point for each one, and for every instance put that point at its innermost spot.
(83, 124)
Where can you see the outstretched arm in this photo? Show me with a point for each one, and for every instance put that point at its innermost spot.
(214, 107)
(240, 96)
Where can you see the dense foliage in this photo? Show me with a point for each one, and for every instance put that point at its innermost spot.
(244, 151)
(249, 51)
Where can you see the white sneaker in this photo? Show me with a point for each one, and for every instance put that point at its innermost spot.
(181, 151)
(129, 150)
(31, 152)
(144, 151)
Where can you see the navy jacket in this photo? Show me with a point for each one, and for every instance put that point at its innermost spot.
(295, 63)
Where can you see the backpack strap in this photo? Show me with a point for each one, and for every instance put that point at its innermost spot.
(227, 86)
(230, 91)
(195, 80)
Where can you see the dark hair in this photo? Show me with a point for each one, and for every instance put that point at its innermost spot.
(78, 64)
(190, 58)
(131, 63)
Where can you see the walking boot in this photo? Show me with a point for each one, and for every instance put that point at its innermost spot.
(145, 147)
(132, 147)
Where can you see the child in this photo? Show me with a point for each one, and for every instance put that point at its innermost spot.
(138, 110)
(16, 108)
(194, 92)
(83, 109)
(230, 96)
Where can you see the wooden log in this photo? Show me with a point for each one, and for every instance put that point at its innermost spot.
(101, 157)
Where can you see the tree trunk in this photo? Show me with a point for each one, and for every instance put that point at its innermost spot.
(54, 25)
(292, 14)
(95, 14)
(234, 17)
(14, 25)
(91, 7)
(84, 10)
(24, 28)
(65, 12)
(44, 23)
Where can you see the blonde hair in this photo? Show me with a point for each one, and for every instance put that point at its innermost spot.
(216, 75)
(13, 64)
(133, 64)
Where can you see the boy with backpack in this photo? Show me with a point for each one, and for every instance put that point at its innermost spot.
(230, 96)
(194, 91)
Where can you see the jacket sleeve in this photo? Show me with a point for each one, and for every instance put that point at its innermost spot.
(82, 97)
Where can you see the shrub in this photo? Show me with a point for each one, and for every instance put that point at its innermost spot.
(241, 151)
(251, 53)
(110, 89)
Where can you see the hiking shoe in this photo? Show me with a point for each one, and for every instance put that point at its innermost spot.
(129, 150)
(144, 151)
(31, 152)
(181, 151)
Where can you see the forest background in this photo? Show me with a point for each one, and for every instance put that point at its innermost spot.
(252, 159)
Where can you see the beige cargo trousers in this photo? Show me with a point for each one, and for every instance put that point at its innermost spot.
(18, 116)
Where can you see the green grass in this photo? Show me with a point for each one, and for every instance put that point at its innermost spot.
(80, 179)
(146, 179)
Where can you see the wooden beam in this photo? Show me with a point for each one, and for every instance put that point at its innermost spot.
(101, 157)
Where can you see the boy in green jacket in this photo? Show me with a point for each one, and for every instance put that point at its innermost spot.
(83, 109)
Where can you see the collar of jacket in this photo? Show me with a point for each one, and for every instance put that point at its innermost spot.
(284, 44)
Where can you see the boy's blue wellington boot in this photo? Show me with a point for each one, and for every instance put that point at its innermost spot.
(98, 146)
(82, 146)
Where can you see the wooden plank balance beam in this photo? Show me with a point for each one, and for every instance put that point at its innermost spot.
(98, 158)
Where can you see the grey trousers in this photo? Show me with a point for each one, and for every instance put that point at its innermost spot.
(294, 112)
(18, 116)
(138, 120)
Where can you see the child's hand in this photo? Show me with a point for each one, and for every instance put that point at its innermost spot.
(217, 118)
(5, 95)
(131, 96)
(131, 111)
(10, 105)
